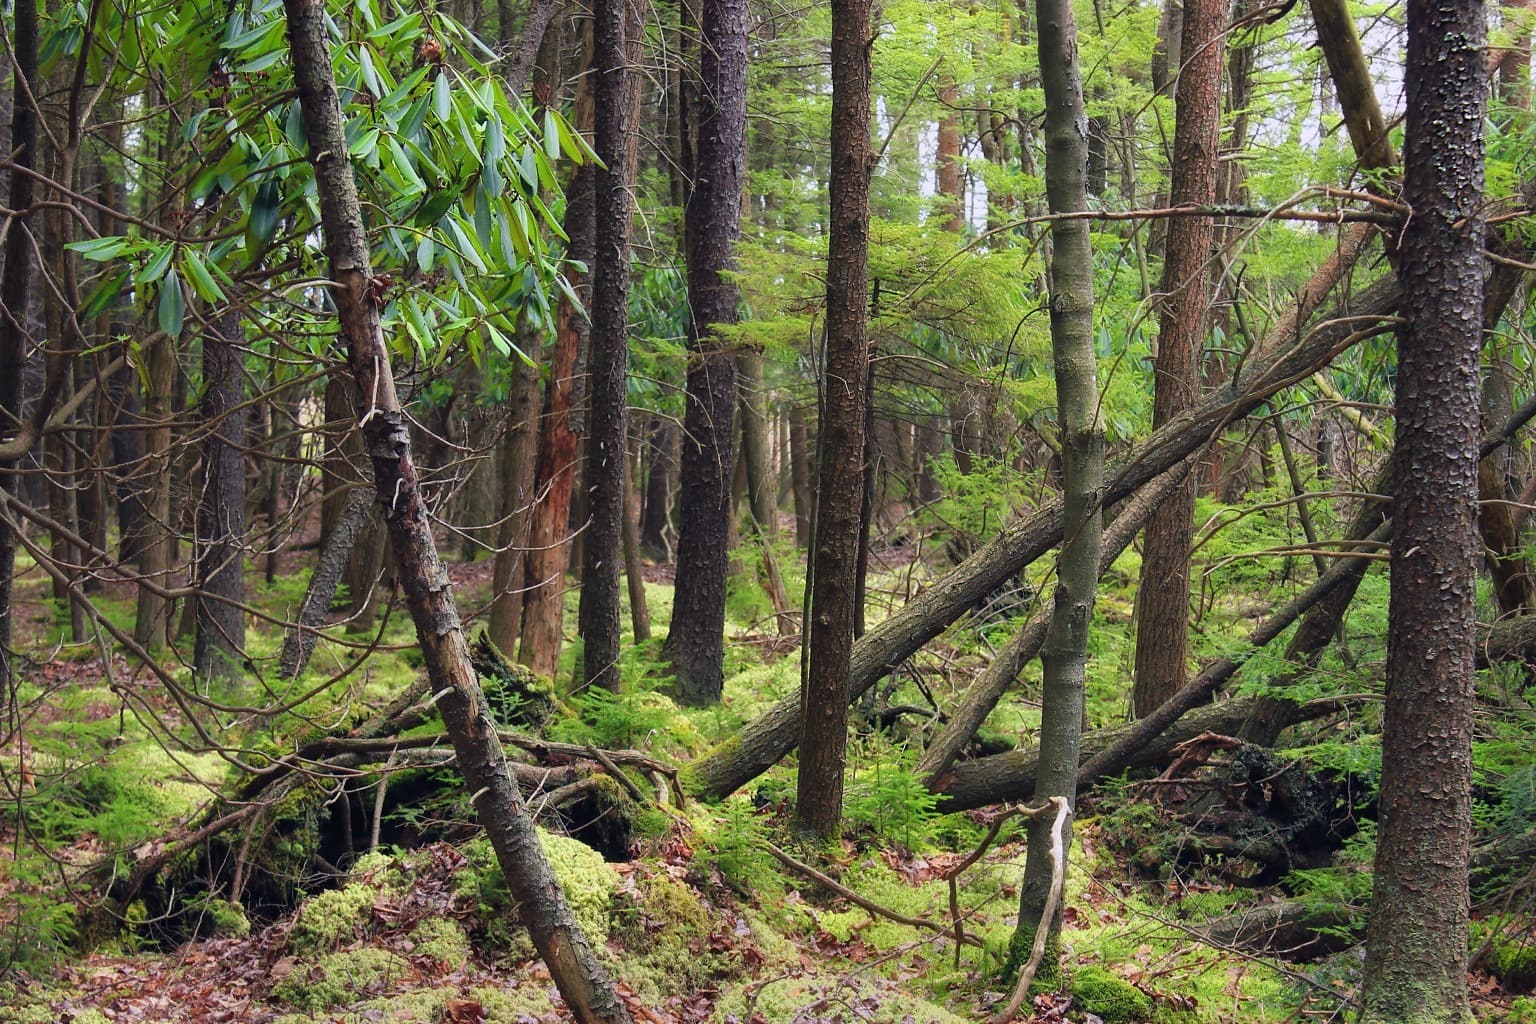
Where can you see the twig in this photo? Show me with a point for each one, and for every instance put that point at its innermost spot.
(827, 881)
(1048, 914)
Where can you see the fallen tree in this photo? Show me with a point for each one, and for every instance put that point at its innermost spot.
(1282, 359)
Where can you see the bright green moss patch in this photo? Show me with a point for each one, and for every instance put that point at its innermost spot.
(443, 939)
(586, 879)
(334, 917)
(341, 978)
(1113, 1000)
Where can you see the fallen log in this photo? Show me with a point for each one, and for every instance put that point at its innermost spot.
(1287, 928)
(1279, 362)
(1004, 778)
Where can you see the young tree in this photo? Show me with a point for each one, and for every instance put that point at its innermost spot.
(1162, 598)
(1064, 655)
(1416, 959)
(840, 493)
(581, 979)
(608, 362)
(220, 639)
(712, 222)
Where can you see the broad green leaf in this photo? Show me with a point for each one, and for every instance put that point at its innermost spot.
(172, 305)
(105, 295)
(202, 281)
(100, 249)
(155, 269)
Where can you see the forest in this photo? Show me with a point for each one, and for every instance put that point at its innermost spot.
(733, 511)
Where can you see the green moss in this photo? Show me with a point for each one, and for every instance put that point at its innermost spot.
(340, 978)
(443, 939)
(1047, 975)
(797, 999)
(586, 879)
(514, 1004)
(1112, 999)
(423, 1006)
(223, 919)
(1512, 959)
(333, 917)
(664, 929)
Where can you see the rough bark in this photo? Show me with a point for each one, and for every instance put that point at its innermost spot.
(1065, 651)
(155, 538)
(608, 359)
(219, 647)
(585, 986)
(1281, 359)
(1419, 897)
(1162, 597)
(839, 494)
(15, 287)
(712, 222)
(800, 471)
(660, 488)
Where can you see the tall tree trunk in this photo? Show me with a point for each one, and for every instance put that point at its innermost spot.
(634, 574)
(220, 640)
(156, 538)
(15, 287)
(1064, 655)
(660, 489)
(839, 496)
(585, 986)
(549, 531)
(1416, 961)
(608, 364)
(1162, 599)
(949, 177)
(695, 644)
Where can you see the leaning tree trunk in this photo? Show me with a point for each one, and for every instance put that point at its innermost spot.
(1287, 353)
(1416, 963)
(1065, 655)
(712, 221)
(585, 986)
(220, 640)
(1162, 598)
(840, 494)
(608, 362)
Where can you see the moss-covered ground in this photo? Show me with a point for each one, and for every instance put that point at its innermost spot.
(699, 922)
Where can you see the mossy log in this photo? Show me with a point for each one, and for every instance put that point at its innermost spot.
(1288, 928)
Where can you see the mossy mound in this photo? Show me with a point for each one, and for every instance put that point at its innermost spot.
(667, 932)
(331, 918)
(1112, 999)
(441, 939)
(812, 997)
(341, 978)
(588, 881)
(1512, 959)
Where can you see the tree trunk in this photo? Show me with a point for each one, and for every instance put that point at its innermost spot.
(15, 288)
(801, 466)
(1064, 657)
(949, 179)
(1416, 963)
(634, 574)
(608, 364)
(549, 532)
(517, 455)
(712, 217)
(585, 986)
(839, 494)
(660, 489)
(299, 642)
(220, 643)
(1162, 598)
(151, 625)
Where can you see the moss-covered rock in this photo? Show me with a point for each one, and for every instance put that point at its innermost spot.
(341, 978)
(1114, 1000)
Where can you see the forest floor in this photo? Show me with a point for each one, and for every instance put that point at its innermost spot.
(696, 917)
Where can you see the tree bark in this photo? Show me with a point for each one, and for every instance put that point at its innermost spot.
(1415, 964)
(517, 454)
(608, 362)
(660, 488)
(1162, 597)
(712, 223)
(839, 494)
(1065, 652)
(585, 986)
(155, 538)
(219, 647)
(15, 287)
(299, 641)
(801, 467)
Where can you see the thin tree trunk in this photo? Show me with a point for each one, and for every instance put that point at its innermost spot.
(299, 642)
(219, 647)
(800, 471)
(1415, 962)
(1162, 598)
(829, 633)
(634, 574)
(585, 986)
(1065, 653)
(695, 644)
(517, 454)
(152, 622)
(660, 489)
